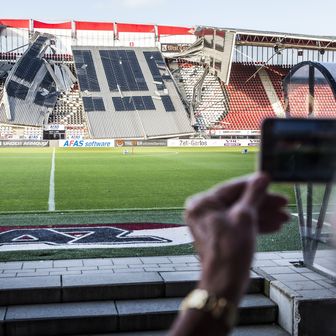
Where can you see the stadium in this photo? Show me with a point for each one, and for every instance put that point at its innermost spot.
(106, 128)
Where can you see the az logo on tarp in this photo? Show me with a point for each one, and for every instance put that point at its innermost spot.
(69, 236)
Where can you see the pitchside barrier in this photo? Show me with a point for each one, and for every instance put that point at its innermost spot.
(161, 143)
(24, 143)
(96, 143)
(213, 142)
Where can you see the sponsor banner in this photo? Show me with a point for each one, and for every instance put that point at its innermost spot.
(232, 132)
(24, 143)
(213, 142)
(87, 143)
(94, 236)
(174, 47)
(154, 143)
(141, 143)
(54, 128)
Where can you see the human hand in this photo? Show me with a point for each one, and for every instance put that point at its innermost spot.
(224, 222)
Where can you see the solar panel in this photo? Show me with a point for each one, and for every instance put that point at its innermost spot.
(28, 68)
(98, 104)
(86, 71)
(139, 104)
(148, 101)
(155, 63)
(128, 103)
(122, 69)
(30, 63)
(46, 94)
(118, 103)
(133, 103)
(93, 104)
(167, 103)
(17, 90)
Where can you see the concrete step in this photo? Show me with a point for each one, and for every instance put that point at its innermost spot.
(121, 315)
(261, 330)
(95, 287)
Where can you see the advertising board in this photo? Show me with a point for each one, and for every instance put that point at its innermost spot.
(141, 143)
(213, 143)
(91, 143)
(24, 143)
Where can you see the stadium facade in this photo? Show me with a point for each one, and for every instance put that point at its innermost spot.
(142, 81)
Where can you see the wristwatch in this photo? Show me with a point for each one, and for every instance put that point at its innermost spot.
(218, 307)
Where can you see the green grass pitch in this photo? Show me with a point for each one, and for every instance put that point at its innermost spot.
(106, 186)
(106, 179)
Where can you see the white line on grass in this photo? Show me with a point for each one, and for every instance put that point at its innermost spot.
(51, 200)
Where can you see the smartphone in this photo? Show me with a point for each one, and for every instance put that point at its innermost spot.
(299, 150)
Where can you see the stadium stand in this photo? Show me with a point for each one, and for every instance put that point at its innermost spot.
(6, 132)
(276, 75)
(42, 62)
(325, 104)
(203, 91)
(33, 133)
(68, 110)
(211, 107)
(299, 94)
(249, 104)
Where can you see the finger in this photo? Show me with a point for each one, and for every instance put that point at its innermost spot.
(255, 190)
(272, 222)
(271, 201)
(230, 191)
(221, 195)
(200, 203)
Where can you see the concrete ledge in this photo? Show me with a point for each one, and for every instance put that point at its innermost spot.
(26, 290)
(306, 300)
(253, 303)
(61, 319)
(181, 283)
(112, 287)
(159, 313)
(262, 330)
(147, 314)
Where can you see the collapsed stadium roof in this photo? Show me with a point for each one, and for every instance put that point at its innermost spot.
(129, 93)
(259, 37)
(32, 86)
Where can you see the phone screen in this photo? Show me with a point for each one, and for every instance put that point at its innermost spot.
(299, 150)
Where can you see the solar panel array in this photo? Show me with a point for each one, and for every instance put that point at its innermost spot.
(47, 93)
(30, 87)
(155, 62)
(30, 63)
(123, 69)
(168, 104)
(15, 89)
(86, 71)
(128, 80)
(133, 103)
(93, 104)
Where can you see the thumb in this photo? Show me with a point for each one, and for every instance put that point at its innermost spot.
(255, 190)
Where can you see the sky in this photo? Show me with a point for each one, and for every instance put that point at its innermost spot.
(292, 16)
